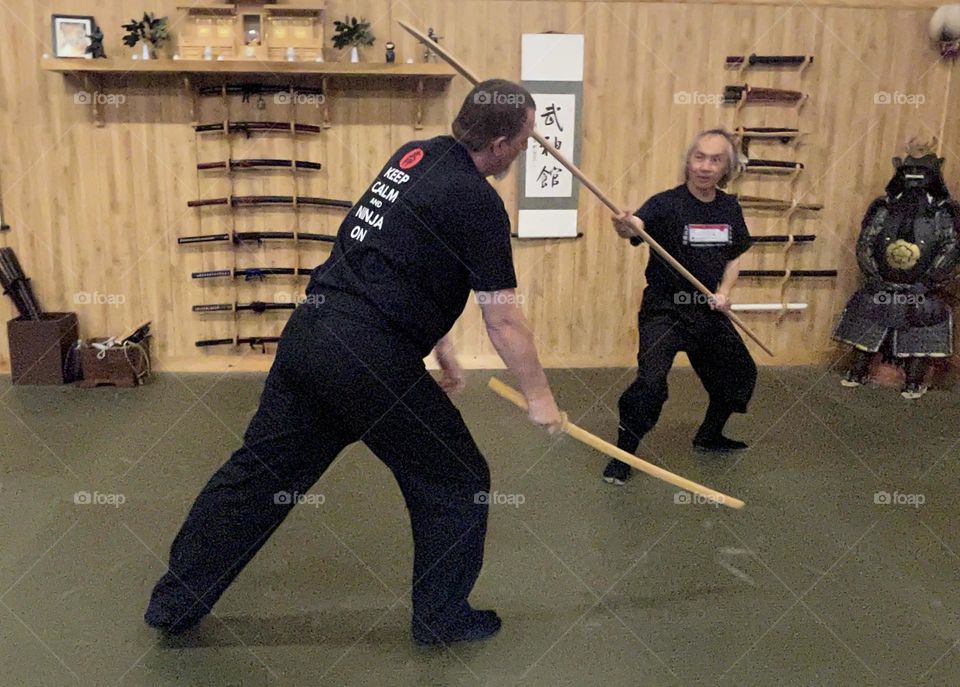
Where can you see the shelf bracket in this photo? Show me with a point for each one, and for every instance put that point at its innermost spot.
(418, 125)
(91, 86)
(326, 102)
(192, 94)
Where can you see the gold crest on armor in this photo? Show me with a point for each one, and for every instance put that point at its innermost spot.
(902, 255)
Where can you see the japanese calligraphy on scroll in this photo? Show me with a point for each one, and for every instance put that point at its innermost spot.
(552, 70)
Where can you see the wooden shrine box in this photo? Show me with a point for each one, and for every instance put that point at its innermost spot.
(38, 348)
(252, 30)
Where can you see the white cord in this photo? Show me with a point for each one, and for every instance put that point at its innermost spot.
(144, 359)
(103, 346)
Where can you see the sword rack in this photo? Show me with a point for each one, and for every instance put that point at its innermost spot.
(252, 241)
(767, 169)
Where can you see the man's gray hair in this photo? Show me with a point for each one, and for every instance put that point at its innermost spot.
(733, 156)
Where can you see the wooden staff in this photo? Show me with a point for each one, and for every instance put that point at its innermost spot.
(606, 447)
(470, 76)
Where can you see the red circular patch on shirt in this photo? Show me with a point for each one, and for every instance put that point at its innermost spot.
(411, 159)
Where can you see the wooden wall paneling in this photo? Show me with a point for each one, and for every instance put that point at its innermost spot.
(619, 146)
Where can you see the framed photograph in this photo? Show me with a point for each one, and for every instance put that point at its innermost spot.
(71, 35)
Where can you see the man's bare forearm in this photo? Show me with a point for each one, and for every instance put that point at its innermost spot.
(730, 275)
(514, 343)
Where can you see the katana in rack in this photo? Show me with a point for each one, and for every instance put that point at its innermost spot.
(260, 163)
(751, 94)
(788, 273)
(783, 238)
(255, 307)
(783, 134)
(239, 237)
(248, 128)
(771, 166)
(239, 201)
(761, 203)
(768, 133)
(252, 273)
(768, 60)
(253, 341)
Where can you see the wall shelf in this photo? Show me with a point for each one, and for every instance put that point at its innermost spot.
(423, 70)
(94, 73)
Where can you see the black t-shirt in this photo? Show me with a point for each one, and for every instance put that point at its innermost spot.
(703, 237)
(428, 230)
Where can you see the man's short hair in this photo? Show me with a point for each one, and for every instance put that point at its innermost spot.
(492, 109)
(733, 155)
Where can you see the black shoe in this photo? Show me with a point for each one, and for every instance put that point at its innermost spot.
(616, 472)
(474, 626)
(718, 444)
(170, 622)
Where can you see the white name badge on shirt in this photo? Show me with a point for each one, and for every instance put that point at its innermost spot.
(707, 234)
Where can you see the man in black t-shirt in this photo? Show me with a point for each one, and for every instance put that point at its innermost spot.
(428, 230)
(349, 368)
(703, 228)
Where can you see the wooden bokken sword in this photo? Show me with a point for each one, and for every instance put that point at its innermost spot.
(599, 444)
(470, 76)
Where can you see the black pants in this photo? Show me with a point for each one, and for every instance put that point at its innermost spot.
(336, 381)
(717, 354)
